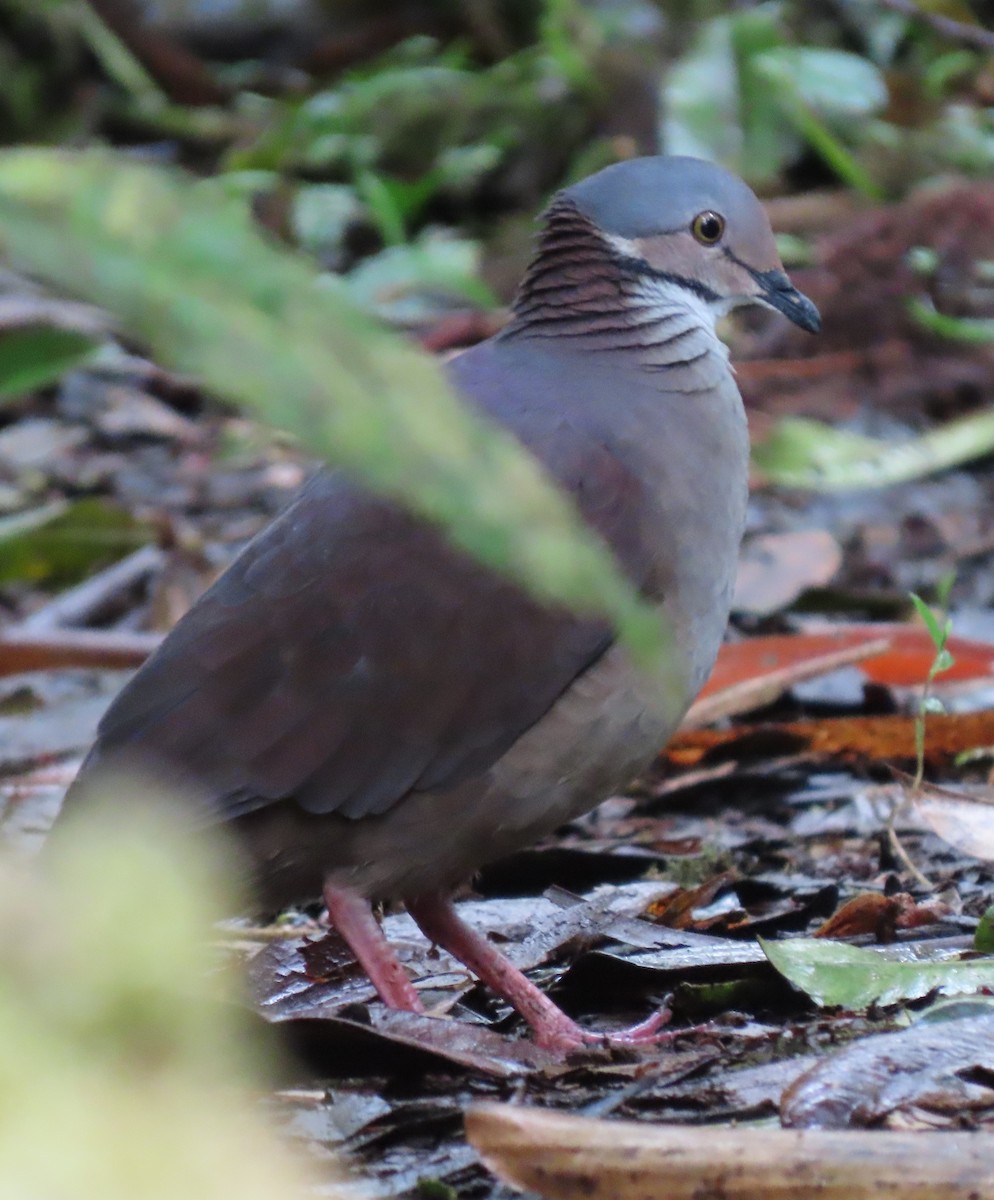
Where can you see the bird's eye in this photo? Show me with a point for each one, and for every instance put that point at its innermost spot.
(708, 227)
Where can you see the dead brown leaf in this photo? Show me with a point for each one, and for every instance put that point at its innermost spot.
(775, 568)
(963, 820)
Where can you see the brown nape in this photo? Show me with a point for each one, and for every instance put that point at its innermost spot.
(582, 292)
(573, 277)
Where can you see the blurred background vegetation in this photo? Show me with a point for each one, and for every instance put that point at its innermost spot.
(400, 143)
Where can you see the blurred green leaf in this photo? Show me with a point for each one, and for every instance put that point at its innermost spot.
(716, 106)
(972, 331)
(834, 974)
(216, 300)
(807, 95)
(36, 357)
(767, 141)
(428, 118)
(415, 283)
(834, 83)
(321, 215)
(744, 96)
(60, 544)
(808, 454)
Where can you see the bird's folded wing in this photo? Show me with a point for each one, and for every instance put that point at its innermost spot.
(351, 655)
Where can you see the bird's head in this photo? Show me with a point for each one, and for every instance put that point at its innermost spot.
(684, 223)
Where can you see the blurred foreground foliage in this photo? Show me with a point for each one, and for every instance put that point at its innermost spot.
(121, 1078)
(211, 297)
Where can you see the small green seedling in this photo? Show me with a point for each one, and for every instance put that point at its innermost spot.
(940, 627)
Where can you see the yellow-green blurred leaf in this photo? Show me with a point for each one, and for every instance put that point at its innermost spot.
(58, 544)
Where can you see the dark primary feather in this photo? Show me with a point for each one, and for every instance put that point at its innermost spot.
(351, 655)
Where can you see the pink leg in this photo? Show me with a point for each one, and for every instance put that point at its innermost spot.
(353, 917)
(553, 1029)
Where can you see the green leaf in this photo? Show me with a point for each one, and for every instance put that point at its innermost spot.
(35, 357)
(944, 660)
(60, 544)
(214, 299)
(929, 619)
(983, 938)
(944, 588)
(834, 974)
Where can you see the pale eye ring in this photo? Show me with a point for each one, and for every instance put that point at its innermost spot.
(708, 227)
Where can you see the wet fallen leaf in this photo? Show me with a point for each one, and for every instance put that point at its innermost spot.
(836, 975)
(775, 568)
(928, 1066)
(380, 1039)
(563, 1157)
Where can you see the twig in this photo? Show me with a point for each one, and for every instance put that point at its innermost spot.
(45, 650)
(960, 31)
(898, 850)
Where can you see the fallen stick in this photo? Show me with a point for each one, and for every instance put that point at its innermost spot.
(48, 649)
(563, 1157)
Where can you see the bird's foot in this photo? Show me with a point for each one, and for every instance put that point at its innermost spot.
(562, 1034)
(552, 1028)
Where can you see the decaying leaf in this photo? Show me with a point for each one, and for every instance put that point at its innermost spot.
(935, 1066)
(882, 916)
(963, 820)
